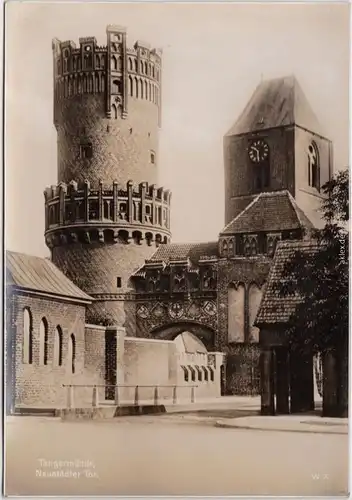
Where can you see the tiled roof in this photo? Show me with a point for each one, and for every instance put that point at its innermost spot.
(41, 275)
(275, 309)
(276, 103)
(183, 251)
(276, 211)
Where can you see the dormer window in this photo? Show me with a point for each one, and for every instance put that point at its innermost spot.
(313, 166)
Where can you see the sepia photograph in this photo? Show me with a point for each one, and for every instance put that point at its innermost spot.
(176, 239)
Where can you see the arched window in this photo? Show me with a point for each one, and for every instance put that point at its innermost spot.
(135, 84)
(114, 111)
(97, 61)
(136, 65)
(130, 64)
(254, 298)
(313, 166)
(90, 83)
(58, 339)
(27, 346)
(72, 353)
(146, 90)
(114, 63)
(150, 91)
(116, 87)
(130, 85)
(141, 89)
(152, 157)
(43, 342)
(97, 86)
(236, 304)
(87, 61)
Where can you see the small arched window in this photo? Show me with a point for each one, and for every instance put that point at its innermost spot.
(72, 353)
(130, 85)
(43, 342)
(136, 65)
(116, 87)
(27, 346)
(152, 157)
(313, 166)
(130, 64)
(58, 339)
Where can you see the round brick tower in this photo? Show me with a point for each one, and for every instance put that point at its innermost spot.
(106, 215)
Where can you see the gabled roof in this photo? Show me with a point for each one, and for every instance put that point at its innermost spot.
(37, 274)
(188, 342)
(184, 251)
(277, 103)
(276, 309)
(269, 212)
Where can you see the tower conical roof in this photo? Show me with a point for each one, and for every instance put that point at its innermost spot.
(277, 103)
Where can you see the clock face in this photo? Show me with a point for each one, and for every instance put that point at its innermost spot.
(258, 151)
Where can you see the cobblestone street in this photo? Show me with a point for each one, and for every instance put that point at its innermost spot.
(165, 455)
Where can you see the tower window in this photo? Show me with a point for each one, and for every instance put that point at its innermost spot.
(152, 157)
(118, 282)
(313, 166)
(86, 150)
(261, 176)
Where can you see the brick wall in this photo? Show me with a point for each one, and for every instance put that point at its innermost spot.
(243, 370)
(238, 167)
(121, 147)
(37, 384)
(95, 268)
(308, 198)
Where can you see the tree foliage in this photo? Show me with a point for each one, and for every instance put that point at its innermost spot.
(318, 275)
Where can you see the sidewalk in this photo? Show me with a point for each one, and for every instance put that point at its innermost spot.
(288, 423)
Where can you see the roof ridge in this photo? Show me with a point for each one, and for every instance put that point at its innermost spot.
(296, 208)
(243, 211)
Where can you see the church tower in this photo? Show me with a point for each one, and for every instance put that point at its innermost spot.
(276, 144)
(107, 214)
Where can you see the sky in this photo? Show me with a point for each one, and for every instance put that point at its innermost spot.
(214, 55)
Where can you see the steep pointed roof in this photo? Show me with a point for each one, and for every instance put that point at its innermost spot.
(276, 211)
(275, 308)
(277, 103)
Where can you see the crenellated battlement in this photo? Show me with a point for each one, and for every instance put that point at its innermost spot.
(143, 207)
(114, 69)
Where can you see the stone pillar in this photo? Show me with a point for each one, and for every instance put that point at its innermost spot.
(267, 381)
(282, 381)
(114, 359)
(330, 383)
(301, 381)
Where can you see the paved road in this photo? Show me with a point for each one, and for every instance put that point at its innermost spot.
(161, 456)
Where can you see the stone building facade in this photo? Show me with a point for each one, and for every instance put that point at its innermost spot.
(107, 222)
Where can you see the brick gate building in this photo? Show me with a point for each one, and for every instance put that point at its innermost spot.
(107, 221)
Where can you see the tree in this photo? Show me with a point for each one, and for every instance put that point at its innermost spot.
(318, 276)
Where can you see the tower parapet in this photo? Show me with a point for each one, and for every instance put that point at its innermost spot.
(76, 213)
(107, 109)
